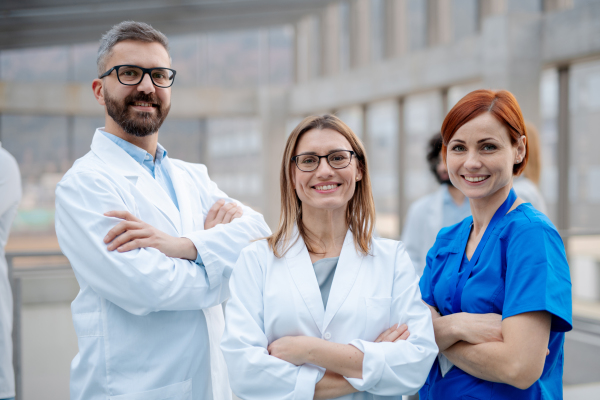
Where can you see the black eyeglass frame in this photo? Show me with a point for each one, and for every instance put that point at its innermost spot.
(144, 72)
(352, 153)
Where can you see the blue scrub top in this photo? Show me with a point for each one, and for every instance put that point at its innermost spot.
(522, 268)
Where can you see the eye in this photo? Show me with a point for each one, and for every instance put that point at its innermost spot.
(489, 147)
(458, 147)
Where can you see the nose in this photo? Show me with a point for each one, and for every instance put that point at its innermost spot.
(472, 162)
(146, 85)
(324, 169)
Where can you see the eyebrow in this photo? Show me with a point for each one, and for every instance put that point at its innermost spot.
(479, 141)
(313, 153)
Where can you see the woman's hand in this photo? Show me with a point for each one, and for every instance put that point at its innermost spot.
(394, 333)
(292, 349)
(333, 386)
(134, 233)
(221, 213)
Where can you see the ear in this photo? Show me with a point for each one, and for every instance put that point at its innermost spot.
(521, 150)
(359, 174)
(98, 88)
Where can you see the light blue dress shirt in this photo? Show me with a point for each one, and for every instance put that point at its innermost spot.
(153, 165)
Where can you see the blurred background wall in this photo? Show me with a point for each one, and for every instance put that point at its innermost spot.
(248, 71)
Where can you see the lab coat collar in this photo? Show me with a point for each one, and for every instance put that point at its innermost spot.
(303, 274)
(122, 163)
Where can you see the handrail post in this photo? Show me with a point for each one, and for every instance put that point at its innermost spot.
(15, 284)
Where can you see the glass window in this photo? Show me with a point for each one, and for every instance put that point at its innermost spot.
(281, 55)
(233, 59)
(422, 119)
(83, 132)
(185, 56)
(382, 152)
(417, 24)
(464, 18)
(353, 117)
(85, 69)
(182, 139)
(47, 64)
(584, 99)
(40, 146)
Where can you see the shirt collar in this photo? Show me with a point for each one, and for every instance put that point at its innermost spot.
(137, 153)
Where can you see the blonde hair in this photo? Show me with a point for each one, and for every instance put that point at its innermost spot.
(360, 211)
(534, 165)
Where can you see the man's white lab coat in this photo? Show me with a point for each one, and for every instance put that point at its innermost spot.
(148, 326)
(275, 297)
(423, 222)
(10, 195)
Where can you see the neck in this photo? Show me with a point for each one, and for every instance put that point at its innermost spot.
(148, 143)
(457, 196)
(327, 229)
(484, 209)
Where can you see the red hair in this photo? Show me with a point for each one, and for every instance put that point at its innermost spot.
(501, 104)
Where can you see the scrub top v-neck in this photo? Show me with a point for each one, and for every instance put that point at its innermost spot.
(325, 270)
(522, 268)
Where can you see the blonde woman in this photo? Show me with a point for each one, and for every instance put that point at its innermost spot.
(311, 305)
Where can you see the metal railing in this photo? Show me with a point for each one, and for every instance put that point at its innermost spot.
(15, 278)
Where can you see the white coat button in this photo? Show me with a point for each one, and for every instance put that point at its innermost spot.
(327, 335)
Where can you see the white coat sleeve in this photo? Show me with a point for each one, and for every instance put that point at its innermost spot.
(391, 369)
(140, 281)
(413, 240)
(253, 373)
(10, 184)
(220, 246)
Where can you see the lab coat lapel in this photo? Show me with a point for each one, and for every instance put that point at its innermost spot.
(303, 274)
(344, 278)
(117, 159)
(186, 192)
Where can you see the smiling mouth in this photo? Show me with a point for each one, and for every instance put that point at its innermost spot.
(326, 187)
(142, 104)
(475, 179)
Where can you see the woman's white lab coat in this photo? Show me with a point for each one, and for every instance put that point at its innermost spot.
(275, 297)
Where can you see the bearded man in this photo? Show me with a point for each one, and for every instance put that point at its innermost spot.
(152, 241)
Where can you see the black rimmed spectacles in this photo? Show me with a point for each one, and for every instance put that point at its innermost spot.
(337, 159)
(132, 75)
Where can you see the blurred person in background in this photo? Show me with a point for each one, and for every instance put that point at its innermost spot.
(426, 216)
(151, 240)
(498, 283)
(311, 305)
(527, 184)
(10, 195)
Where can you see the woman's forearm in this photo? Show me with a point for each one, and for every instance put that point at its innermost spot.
(342, 359)
(332, 386)
(517, 361)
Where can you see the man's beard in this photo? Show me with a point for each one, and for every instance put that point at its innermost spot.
(134, 122)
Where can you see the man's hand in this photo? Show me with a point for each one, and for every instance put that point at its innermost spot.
(394, 334)
(221, 213)
(134, 233)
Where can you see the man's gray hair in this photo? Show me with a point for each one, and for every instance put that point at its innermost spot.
(127, 30)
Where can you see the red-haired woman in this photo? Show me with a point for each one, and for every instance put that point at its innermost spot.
(499, 279)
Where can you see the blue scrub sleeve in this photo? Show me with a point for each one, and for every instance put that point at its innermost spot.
(425, 284)
(537, 275)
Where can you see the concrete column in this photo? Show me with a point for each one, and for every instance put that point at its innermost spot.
(273, 112)
(302, 53)
(563, 150)
(439, 22)
(330, 39)
(396, 32)
(360, 33)
(511, 58)
(402, 201)
(557, 5)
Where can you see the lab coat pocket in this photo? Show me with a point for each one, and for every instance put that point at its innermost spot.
(177, 391)
(378, 316)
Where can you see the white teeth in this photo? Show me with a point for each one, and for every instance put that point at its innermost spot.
(475, 178)
(326, 187)
(143, 104)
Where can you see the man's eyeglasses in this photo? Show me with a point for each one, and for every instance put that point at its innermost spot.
(132, 75)
(338, 160)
